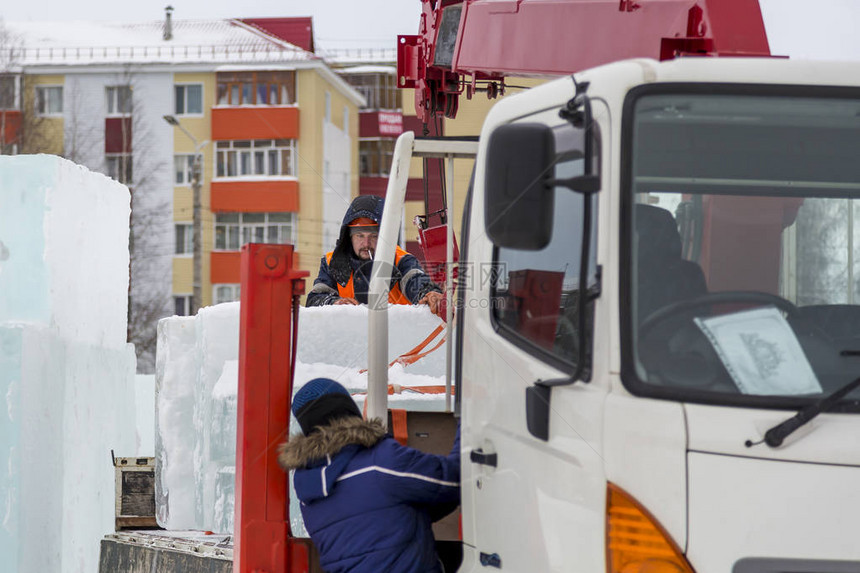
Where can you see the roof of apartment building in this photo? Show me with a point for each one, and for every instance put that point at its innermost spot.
(164, 41)
(298, 30)
(225, 44)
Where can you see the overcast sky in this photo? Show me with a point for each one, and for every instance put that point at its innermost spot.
(371, 23)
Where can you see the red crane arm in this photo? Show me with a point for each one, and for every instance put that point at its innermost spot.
(489, 40)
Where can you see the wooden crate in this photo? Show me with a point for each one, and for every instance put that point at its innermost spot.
(135, 493)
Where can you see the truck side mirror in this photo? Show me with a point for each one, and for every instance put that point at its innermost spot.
(518, 207)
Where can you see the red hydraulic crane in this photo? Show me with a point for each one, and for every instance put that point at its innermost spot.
(488, 40)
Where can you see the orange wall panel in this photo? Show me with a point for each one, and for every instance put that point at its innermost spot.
(224, 267)
(255, 196)
(230, 123)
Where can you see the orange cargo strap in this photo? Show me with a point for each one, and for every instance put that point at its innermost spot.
(415, 354)
(398, 425)
(405, 360)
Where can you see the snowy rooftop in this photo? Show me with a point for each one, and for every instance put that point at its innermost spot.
(340, 54)
(391, 70)
(194, 41)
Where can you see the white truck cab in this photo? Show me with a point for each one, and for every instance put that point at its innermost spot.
(649, 282)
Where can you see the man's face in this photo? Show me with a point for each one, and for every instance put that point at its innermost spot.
(364, 243)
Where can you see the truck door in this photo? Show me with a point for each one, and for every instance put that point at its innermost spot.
(523, 496)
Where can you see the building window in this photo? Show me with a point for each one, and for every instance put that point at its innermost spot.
(232, 230)
(188, 99)
(258, 158)
(183, 168)
(182, 305)
(184, 238)
(118, 100)
(8, 92)
(375, 156)
(327, 107)
(119, 167)
(256, 88)
(379, 89)
(49, 100)
(225, 293)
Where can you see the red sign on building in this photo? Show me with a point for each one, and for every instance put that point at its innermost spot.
(380, 124)
(390, 123)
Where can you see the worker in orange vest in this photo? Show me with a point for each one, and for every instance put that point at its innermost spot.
(344, 274)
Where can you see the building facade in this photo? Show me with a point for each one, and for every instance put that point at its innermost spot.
(275, 128)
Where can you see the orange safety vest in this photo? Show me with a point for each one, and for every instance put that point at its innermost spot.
(394, 295)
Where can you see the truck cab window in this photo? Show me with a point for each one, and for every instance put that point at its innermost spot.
(536, 293)
(742, 257)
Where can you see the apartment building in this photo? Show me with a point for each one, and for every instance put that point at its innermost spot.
(275, 130)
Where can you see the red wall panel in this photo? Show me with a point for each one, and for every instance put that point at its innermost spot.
(118, 135)
(11, 120)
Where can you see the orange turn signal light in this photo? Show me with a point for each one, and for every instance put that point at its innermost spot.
(635, 541)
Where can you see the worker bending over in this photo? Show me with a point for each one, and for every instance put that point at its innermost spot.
(367, 502)
(344, 274)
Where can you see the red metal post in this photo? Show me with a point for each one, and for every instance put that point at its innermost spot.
(270, 286)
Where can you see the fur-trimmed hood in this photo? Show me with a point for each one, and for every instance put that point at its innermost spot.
(322, 457)
(303, 451)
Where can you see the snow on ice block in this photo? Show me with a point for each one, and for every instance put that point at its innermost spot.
(197, 382)
(64, 249)
(337, 335)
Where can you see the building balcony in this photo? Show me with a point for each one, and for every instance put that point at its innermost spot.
(260, 195)
(255, 122)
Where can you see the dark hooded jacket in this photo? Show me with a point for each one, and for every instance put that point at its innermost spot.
(408, 273)
(367, 501)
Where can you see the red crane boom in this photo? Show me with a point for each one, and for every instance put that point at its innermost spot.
(488, 40)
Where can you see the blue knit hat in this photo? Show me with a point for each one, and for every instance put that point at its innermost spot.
(320, 401)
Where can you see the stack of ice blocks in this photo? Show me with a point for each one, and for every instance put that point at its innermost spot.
(66, 372)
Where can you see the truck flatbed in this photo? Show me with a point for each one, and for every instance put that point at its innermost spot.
(166, 552)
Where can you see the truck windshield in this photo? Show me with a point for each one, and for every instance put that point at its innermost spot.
(743, 277)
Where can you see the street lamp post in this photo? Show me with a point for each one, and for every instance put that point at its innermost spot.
(197, 223)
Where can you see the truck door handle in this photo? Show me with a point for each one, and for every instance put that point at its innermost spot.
(479, 457)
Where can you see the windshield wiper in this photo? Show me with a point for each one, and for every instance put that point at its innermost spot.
(776, 435)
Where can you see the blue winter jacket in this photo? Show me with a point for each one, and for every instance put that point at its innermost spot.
(368, 502)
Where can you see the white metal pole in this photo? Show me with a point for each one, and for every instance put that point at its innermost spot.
(449, 283)
(380, 278)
